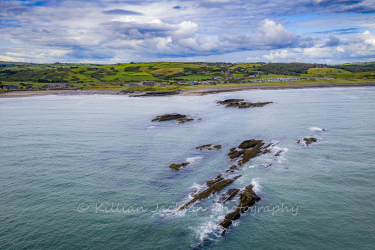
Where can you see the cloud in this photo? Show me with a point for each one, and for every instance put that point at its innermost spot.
(333, 41)
(107, 30)
(121, 12)
(339, 31)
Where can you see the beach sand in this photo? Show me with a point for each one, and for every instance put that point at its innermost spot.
(185, 92)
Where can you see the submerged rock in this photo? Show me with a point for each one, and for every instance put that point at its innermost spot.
(203, 146)
(232, 169)
(247, 199)
(247, 150)
(218, 184)
(217, 179)
(241, 103)
(170, 117)
(307, 141)
(228, 195)
(208, 147)
(178, 166)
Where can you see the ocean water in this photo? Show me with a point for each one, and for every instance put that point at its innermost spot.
(91, 172)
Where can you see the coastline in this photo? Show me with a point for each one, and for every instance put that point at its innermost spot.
(185, 92)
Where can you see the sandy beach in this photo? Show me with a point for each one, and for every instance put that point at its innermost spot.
(185, 92)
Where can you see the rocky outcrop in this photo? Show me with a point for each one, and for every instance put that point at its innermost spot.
(228, 195)
(154, 93)
(173, 117)
(241, 103)
(247, 199)
(178, 166)
(208, 147)
(232, 169)
(307, 141)
(248, 150)
(213, 186)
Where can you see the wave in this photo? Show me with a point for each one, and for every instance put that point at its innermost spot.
(207, 232)
(193, 160)
(316, 129)
(257, 188)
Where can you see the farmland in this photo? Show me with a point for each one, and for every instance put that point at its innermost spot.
(170, 76)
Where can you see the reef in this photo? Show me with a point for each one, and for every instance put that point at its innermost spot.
(307, 141)
(178, 166)
(152, 93)
(218, 184)
(247, 199)
(232, 169)
(228, 195)
(248, 150)
(173, 117)
(208, 147)
(241, 103)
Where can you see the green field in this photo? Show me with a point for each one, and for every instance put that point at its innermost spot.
(98, 76)
(328, 71)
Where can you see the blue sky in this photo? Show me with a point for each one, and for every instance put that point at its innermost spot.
(115, 31)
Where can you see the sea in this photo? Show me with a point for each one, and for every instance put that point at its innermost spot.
(92, 171)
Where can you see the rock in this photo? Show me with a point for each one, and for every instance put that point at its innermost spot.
(155, 93)
(204, 146)
(250, 149)
(241, 103)
(279, 152)
(307, 141)
(178, 166)
(232, 169)
(247, 199)
(227, 196)
(217, 179)
(208, 147)
(170, 117)
(214, 187)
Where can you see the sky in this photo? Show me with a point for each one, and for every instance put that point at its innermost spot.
(115, 31)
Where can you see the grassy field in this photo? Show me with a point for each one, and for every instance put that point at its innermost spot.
(96, 76)
(327, 71)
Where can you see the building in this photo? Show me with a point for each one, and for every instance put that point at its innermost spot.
(132, 84)
(147, 83)
(10, 87)
(64, 85)
(29, 86)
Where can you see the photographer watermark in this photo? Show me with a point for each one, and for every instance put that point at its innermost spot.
(120, 207)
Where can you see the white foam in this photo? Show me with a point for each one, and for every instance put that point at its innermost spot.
(315, 129)
(256, 185)
(193, 160)
(281, 152)
(197, 187)
(207, 231)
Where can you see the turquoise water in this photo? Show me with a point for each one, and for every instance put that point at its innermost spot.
(66, 159)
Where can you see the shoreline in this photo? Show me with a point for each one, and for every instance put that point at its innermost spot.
(185, 92)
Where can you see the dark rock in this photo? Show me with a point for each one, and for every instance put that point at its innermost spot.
(204, 146)
(307, 141)
(247, 199)
(232, 169)
(227, 196)
(154, 93)
(178, 166)
(215, 187)
(241, 103)
(170, 117)
(208, 147)
(217, 179)
(250, 149)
